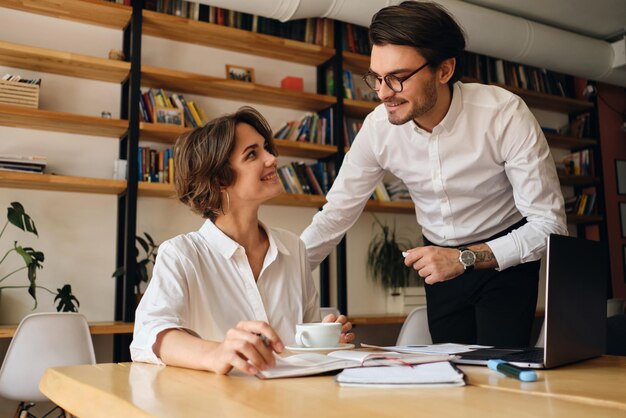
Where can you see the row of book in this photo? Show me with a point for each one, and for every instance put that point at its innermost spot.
(19, 79)
(154, 107)
(315, 128)
(313, 30)
(355, 39)
(495, 70)
(582, 204)
(578, 163)
(391, 191)
(313, 179)
(156, 166)
(23, 163)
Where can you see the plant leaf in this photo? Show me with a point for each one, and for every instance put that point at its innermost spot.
(149, 238)
(18, 217)
(66, 299)
(120, 271)
(143, 243)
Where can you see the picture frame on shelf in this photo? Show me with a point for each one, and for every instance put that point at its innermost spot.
(622, 218)
(620, 174)
(168, 116)
(240, 73)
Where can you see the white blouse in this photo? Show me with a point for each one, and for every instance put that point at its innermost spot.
(202, 282)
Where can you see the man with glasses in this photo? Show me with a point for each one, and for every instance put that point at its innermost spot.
(478, 169)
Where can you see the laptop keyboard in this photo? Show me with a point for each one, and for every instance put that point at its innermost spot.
(530, 356)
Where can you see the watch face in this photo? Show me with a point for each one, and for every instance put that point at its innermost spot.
(468, 258)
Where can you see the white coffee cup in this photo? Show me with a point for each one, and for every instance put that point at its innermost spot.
(318, 334)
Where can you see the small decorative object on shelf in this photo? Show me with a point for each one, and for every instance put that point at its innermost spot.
(116, 54)
(17, 91)
(169, 116)
(105, 114)
(236, 72)
(33, 260)
(292, 83)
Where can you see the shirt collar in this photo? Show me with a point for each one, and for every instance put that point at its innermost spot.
(456, 106)
(226, 246)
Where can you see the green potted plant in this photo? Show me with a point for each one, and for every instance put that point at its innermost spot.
(385, 263)
(150, 249)
(33, 260)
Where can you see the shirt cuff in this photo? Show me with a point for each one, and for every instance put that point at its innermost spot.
(505, 251)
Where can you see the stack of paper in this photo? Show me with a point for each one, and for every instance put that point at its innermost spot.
(314, 363)
(423, 375)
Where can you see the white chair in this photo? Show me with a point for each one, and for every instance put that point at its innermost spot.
(329, 310)
(43, 340)
(415, 328)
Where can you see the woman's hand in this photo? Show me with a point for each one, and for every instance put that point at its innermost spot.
(346, 335)
(248, 347)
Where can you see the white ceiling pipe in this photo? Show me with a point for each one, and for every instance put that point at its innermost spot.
(488, 32)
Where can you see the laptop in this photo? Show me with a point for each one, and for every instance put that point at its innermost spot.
(575, 311)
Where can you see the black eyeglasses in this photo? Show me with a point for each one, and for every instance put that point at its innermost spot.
(394, 82)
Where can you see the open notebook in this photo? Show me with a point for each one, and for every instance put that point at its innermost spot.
(440, 374)
(314, 363)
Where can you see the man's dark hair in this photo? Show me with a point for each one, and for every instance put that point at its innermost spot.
(427, 27)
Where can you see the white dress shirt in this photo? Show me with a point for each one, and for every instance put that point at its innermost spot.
(483, 168)
(202, 282)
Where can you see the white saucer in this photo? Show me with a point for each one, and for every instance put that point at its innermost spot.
(301, 349)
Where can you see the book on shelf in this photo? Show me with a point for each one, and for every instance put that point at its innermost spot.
(313, 30)
(314, 363)
(578, 163)
(437, 374)
(299, 178)
(23, 163)
(155, 166)
(582, 204)
(311, 127)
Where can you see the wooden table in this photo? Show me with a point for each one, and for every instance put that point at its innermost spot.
(595, 388)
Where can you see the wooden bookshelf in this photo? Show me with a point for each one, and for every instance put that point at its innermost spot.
(96, 12)
(380, 319)
(357, 63)
(549, 101)
(233, 39)
(578, 180)
(185, 82)
(304, 149)
(23, 117)
(53, 182)
(358, 108)
(569, 142)
(95, 328)
(168, 134)
(64, 63)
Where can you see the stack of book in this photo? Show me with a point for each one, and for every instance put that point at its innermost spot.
(22, 163)
(397, 190)
(299, 178)
(156, 166)
(315, 128)
(154, 107)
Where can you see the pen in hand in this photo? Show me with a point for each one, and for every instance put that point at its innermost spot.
(512, 371)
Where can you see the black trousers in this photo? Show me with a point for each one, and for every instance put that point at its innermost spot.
(486, 307)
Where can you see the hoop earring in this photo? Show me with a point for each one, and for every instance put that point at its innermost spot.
(227, 203)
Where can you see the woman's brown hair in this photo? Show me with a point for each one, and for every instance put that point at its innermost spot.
(201, 160)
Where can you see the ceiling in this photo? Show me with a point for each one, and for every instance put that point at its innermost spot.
(600, 19)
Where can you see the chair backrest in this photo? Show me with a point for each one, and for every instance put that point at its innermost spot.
(43, 340)
(415, 328)
(329, 310)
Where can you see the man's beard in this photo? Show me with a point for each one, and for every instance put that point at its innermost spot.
(418, 109)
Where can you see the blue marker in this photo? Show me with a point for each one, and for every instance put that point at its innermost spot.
(512, 371)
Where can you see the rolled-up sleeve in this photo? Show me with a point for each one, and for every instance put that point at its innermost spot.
(530, 168)
(162, 307)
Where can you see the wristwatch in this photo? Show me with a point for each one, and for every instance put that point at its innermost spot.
(467, 257)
